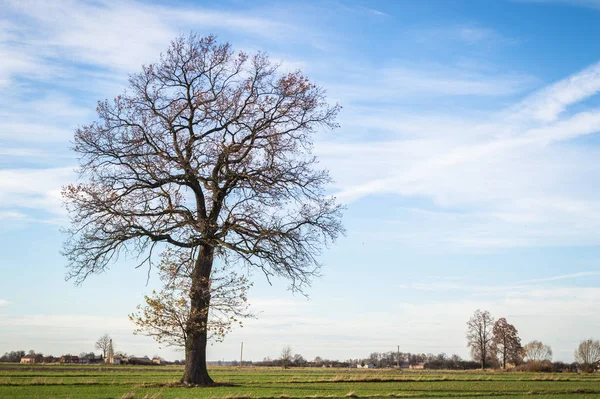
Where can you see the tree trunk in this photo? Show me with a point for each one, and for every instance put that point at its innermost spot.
(504, 350)
(196, 372)
(483, 355)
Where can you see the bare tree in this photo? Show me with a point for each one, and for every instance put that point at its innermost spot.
(165, 314)
(209, 152)
(537, 352)
(588, 355)
(103, 344)
(286, 356)
(506, 342)
(479, 336)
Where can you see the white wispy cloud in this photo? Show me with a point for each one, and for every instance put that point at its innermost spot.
(6, 215)
(373, 11)
(514, 171)
(69, 321)
(515, 288)
(44, 98)
(449, 81)
(21, 152)
(473, 34)
(565, 277)
(394, 83)
(34, 188)
(3, 303)
(79, 29)
(547, 104)
(469, 34)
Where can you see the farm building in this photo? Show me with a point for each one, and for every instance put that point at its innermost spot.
(366, 366)
(29, 359)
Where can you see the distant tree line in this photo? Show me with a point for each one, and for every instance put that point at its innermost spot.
(406, 359)
(290, 359)
(104, 344)
(493, 344)
(16, 356)
(12, 357)
(378, 359)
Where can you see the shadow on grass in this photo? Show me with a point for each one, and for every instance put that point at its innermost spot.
(184, 385)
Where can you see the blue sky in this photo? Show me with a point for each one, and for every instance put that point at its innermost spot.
(468, 159)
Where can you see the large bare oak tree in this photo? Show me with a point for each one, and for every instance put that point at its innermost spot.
(209, 151)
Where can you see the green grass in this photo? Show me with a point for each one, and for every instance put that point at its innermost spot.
(53, 381)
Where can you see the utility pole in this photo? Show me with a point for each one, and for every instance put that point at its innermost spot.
(242, 355)
(398, 358)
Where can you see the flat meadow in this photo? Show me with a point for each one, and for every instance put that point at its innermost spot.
(160, 382)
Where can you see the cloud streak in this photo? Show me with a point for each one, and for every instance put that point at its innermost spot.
(92, 32)
(394, 83)
(514, 171)
(547, 104)
(34, 189)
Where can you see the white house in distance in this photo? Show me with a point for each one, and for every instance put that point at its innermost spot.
(366, 366)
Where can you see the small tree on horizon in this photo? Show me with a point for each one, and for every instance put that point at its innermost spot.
(506, 342)
(479, 336)
(103, 344)
(588, 355)
(286, 356)
(536, 352)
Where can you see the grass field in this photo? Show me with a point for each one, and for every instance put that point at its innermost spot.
(53, 381)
